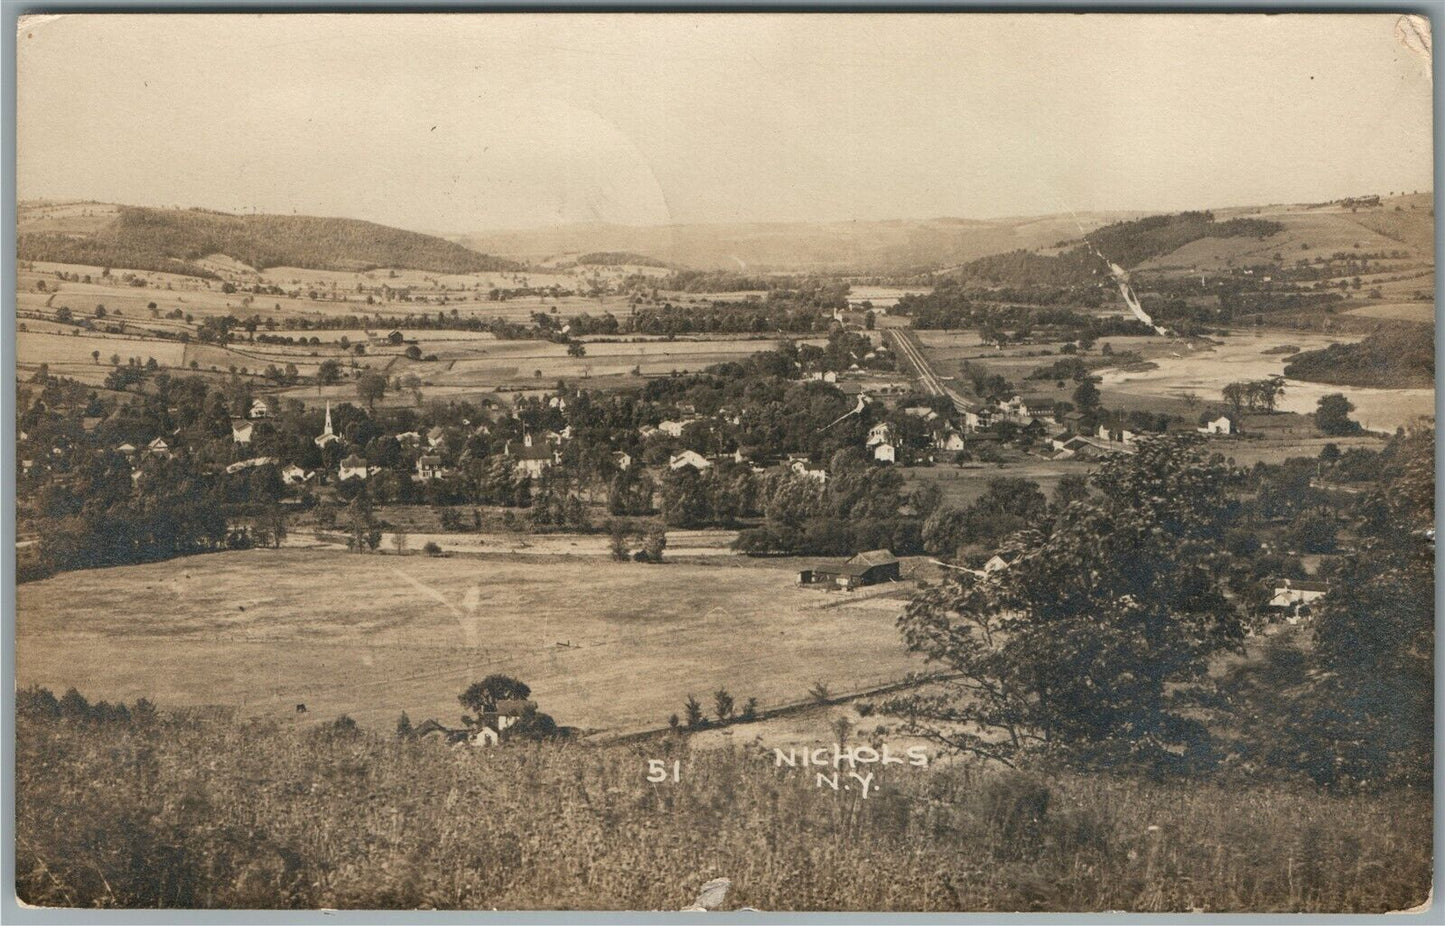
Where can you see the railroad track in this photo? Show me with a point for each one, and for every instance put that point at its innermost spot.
(906, 343)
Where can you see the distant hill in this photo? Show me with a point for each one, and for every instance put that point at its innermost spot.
(1128, 244)
(173, 240)
(878, 247)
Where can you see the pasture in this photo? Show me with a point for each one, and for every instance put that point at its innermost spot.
(604, 645)
(1422, 312)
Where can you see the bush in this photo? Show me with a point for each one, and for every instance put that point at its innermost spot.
(431, 548)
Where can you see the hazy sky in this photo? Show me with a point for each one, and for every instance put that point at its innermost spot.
(468, 122)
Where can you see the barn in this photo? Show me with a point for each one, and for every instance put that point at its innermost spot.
(870, 568)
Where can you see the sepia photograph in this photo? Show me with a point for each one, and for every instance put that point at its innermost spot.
(710, 462)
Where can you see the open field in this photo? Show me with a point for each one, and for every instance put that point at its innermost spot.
(603, 645)
(1422, 312)
(1243, 357)
(963, 485)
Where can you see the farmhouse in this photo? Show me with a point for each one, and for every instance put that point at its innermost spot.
(801, 468)
(948, 440)
(259, 409)
(885, 453)
(689, 458)
(622, 458)
(429, 467)
(241, 430)
(672, 428)
(1220, 425)
(1296, 594)
(294, 475)
(353, 467)
(880, 433)
(870, 568)
(1040, 407)
(159, 448)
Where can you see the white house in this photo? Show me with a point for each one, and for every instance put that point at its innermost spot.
(689, 458)
(622, 458)
(672, 428)
(1220, 425)
(949, 440)
(995, 563)
(353, 467)
(436, 437)
(801, 468)
(429, 467)
(259, 409)
(249, 464)
(921, 411)
(241, 430)
(885, 453)
(532, 459)
(880, 433)
(294, 475)
(1291, 594)
(158, 448)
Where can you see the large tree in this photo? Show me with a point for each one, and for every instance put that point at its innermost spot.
(482, 697)
(370, 386)
(1094, 642)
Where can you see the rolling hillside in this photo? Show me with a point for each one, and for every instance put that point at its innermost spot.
(882, 247)
(1399, 229)
(176, 240)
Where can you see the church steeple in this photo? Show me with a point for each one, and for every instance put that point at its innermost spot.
(327, 436)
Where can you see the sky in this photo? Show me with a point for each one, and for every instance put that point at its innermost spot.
(464, 123)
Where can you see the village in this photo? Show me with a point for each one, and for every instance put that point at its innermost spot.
(883, 462)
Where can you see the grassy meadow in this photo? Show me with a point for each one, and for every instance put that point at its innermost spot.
(207, 814)
(604, 645)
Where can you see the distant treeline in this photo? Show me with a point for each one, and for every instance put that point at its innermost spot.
(951, 306)
(726, 281)
(1125, 243)
(170, 240)
(619, 259)
(1389, 359)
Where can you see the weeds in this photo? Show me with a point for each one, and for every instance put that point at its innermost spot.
(212, 814)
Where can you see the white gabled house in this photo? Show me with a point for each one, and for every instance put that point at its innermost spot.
(294, 475)
(885, 453)
(689, 458)
(1220, 425)
(353, 467)
(241, 429)
(880, 433)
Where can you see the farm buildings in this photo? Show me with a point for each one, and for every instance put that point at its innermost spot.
(869, 568)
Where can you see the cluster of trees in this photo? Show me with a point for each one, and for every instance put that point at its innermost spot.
(952, 305)
(1095, 645)
(1254, 395)
(1396, 358)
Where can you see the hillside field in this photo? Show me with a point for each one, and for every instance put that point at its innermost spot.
(603, 644)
